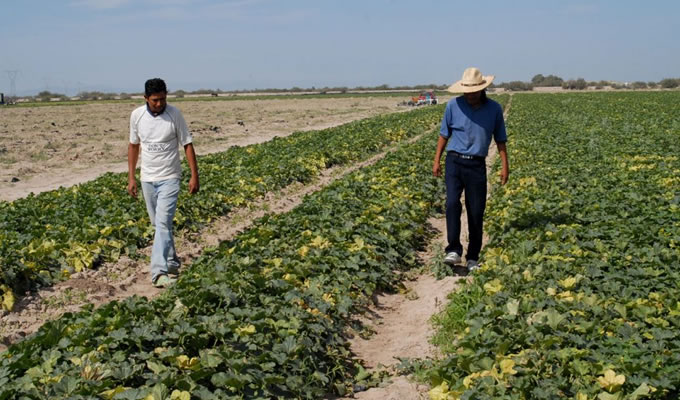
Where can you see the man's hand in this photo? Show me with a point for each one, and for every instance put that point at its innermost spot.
(437, 169)
(505, 167)
(133, 154)
(132, 187)
(194, 185)
(504, 174)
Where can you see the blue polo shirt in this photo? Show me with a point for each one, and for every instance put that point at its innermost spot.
(469, 130)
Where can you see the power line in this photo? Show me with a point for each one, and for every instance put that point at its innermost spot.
(12, 82)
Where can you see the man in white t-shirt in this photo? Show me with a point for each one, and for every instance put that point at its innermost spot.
(159, 129)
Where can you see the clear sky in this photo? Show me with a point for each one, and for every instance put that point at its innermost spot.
(67, 46)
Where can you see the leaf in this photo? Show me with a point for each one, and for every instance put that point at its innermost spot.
(554, 318)
(246, 330)
(180, 395)
(610, 396)
(442, 392)
(642, 391)
(493, 286)
(210, 358)
(512, 306)
(610, 381)
(7, 298)
(507, 367)
(184, 362)
(156, 368)
(109, 394)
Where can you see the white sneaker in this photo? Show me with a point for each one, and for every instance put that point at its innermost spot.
(472, 265)
(452, 258)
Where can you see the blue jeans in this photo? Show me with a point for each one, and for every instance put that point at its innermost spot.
(161, 203)
(469, 176)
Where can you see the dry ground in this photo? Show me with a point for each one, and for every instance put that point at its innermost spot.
(51, 146)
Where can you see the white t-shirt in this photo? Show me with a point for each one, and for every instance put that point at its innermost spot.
(160, 139)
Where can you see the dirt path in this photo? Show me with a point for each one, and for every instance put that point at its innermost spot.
(128, 277)
(43, 148)
(401, 322)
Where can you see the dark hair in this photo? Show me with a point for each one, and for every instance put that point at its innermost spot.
(483, 99)
(155, 85)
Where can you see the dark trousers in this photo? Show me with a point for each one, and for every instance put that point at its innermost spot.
(469, 176)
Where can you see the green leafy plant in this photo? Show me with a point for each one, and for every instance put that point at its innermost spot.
(578, 290)
(46, 237)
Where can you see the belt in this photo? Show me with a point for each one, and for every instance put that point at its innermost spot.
(465, 156)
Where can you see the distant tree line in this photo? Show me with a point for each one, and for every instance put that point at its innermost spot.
(538, 80)
(580, 84)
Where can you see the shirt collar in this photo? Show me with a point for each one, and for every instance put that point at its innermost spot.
(153, 113)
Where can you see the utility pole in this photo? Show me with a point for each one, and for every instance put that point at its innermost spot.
(12, 85)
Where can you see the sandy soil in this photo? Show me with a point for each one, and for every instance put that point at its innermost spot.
(42, 148)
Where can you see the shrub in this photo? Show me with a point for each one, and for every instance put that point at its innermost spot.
(669, 83)
(517, 85)
(550, 80)
(578, 84)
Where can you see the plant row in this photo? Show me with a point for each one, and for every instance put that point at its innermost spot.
(48, 236)
(261, 316)
(578, 295)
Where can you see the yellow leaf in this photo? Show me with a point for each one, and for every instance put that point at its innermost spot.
(247, 330)
(507, 367)
(277, 262)
(109, 394)
(568, 282)
(467, 382)
(512, 306)
(303, 251)
(357, 245)
(7, 298)
(442, 392)
(180, 395)
(493, 286)
(610, 381)
(328, 298)
(185, 362)
(320, 242)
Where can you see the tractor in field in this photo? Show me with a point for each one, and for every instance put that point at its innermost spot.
(425, 98)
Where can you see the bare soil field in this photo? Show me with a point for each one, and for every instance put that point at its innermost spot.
(42, 148)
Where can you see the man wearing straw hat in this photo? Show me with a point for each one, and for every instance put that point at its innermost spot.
(470, 122)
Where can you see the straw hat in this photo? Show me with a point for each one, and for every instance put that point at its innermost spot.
(472, 81)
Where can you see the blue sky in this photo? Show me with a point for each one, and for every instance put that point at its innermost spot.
(114, 45)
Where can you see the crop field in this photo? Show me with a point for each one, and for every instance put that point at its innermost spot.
(576, 298)
(45, 238)
(263, 315)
